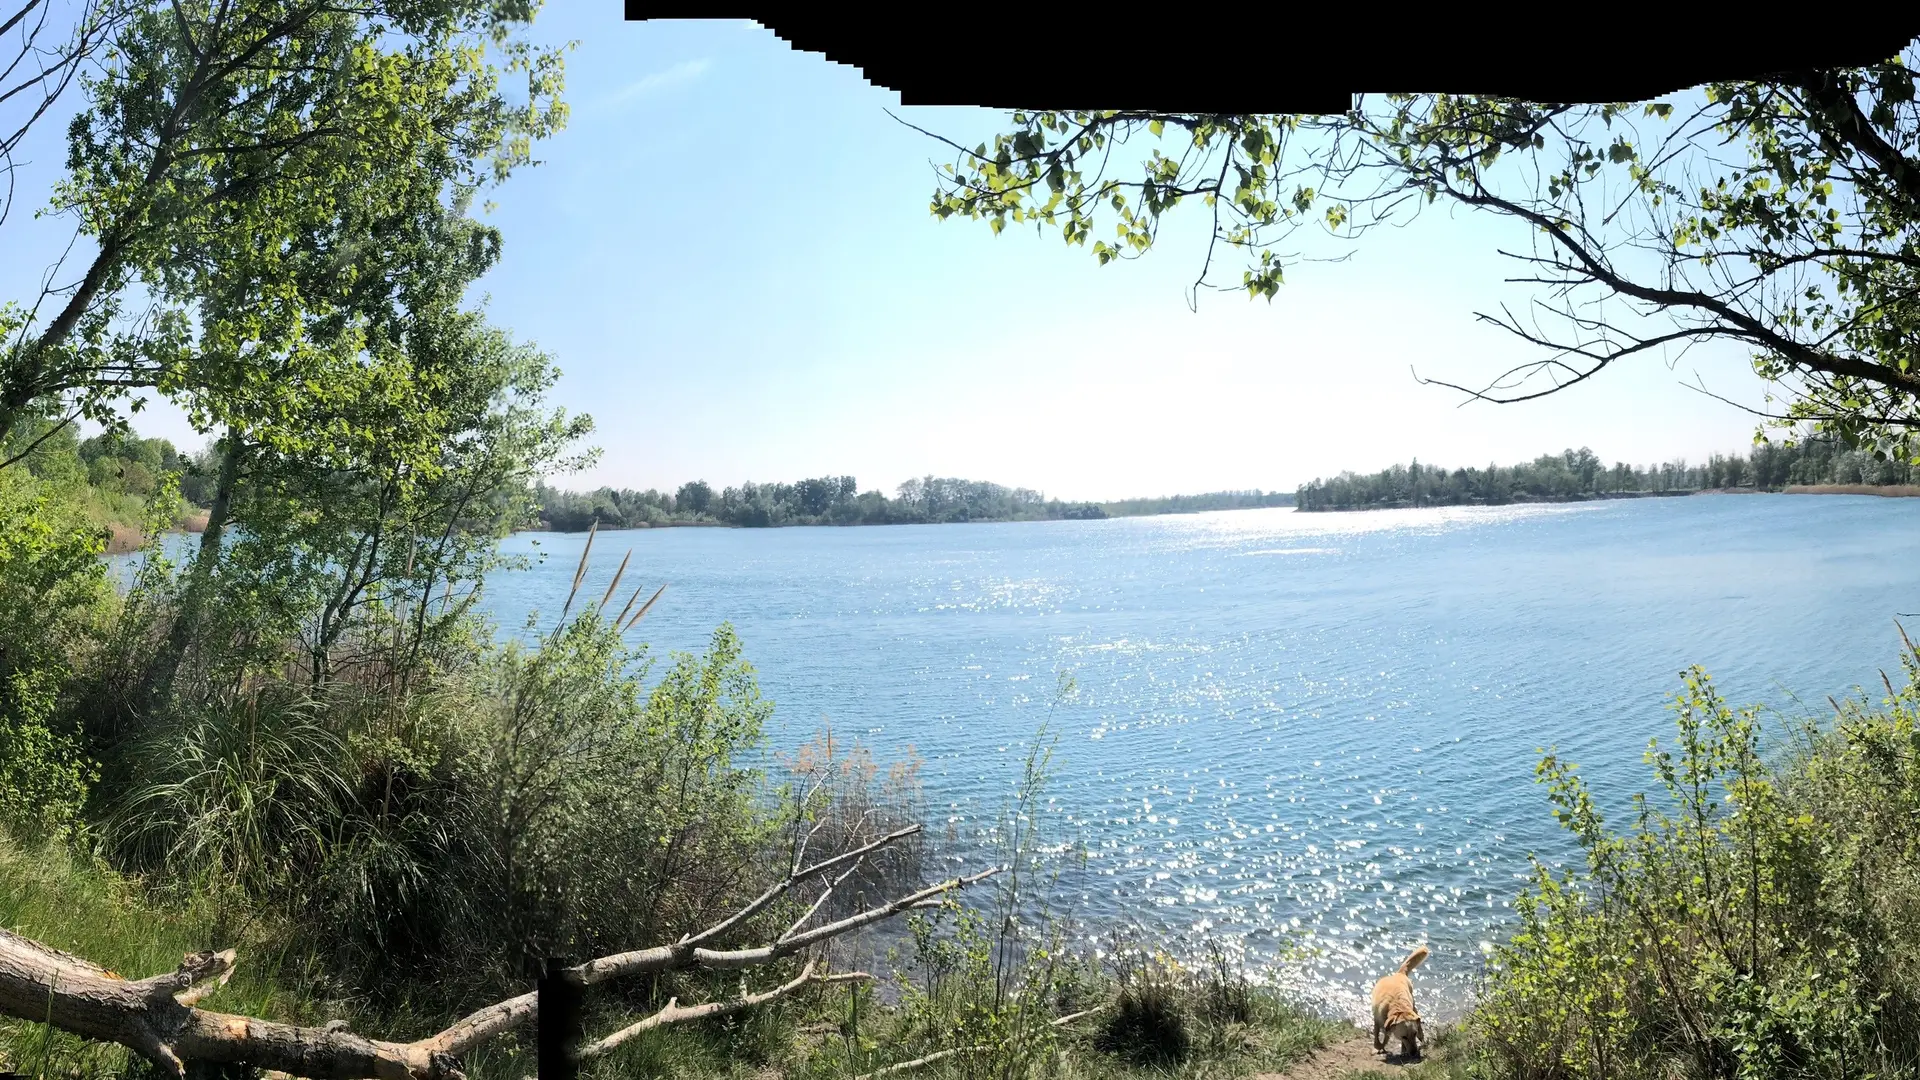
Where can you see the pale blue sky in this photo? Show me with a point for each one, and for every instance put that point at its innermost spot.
(730, 254)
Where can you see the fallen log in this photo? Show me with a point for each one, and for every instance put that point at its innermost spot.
(158, 1017)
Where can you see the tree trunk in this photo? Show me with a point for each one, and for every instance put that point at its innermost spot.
(186, 622)
(156, 1019)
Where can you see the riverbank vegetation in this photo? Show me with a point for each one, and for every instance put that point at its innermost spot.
(838, 500)
(112, 478)
(1816, 463)
(292, 803)
(1752, 917)
(287, 801)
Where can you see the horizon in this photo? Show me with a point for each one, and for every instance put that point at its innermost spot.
(798, 312)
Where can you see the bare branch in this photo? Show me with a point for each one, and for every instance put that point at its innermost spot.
(681, 956)
(675, 1013)
(942, 1055)
(157, 1017)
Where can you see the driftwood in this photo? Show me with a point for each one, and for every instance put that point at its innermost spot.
(158, 1018)
(956, 1051)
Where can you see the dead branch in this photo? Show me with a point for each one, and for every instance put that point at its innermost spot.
(157, 1017)
(674, 1012)
(942, 1055)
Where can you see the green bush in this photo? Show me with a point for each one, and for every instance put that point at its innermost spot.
(239, 796)
(44, 776)
(543, 802)
(1754, 922)
(1148, 1022)
(52, 592)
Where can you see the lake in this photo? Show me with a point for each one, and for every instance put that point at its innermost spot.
(1315, 730)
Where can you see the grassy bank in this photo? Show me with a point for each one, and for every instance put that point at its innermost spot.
(50, 894)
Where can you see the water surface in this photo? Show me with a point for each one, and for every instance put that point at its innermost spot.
(1291, 729)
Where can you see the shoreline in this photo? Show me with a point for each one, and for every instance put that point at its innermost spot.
(1885, 491)
(1524, 500)
(1889, 491)
(127, 539)
(889, 524)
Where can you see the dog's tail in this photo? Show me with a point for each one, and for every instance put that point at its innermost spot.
(1414, 959)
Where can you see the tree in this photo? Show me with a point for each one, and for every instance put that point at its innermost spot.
(38, 62)
(1782, 215)
(256, 167)
(433, 476)
(693, 497)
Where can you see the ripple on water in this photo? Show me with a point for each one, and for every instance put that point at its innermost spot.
(1311, 736)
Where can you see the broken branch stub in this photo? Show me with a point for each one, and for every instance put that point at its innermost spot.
(158, 1017)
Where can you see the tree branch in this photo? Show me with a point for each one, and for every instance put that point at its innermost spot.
(942, 1055)
(158, 1018)
(675, 1013)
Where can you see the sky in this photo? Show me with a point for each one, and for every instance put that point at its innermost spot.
(729, 253)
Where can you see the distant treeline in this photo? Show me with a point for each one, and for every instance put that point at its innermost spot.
(1578, 474)
(110, 477)
(838, 500)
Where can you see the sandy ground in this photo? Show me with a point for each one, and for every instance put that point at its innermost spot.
(1344, 1058)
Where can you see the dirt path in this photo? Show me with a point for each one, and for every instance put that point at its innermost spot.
(1340, 1059)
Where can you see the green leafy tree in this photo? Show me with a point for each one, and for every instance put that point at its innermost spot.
(1577, 474)
(387, 534)
(257, 168)
(694, 497)
(1780, 215)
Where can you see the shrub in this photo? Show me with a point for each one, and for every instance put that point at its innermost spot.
(1148, 1023)
(240, 798)
(52, 591)
(542, 802)
(1753, 923)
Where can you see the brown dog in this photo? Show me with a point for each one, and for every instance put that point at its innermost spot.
(1394, 1017)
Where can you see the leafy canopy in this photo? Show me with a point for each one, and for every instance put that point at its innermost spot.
(1782, 215)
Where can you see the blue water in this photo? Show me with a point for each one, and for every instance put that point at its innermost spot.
(1315, 730)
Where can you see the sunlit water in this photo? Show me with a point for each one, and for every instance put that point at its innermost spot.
(1291, 730)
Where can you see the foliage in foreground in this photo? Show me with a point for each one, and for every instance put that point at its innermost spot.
(89, 909)
(1754, 919)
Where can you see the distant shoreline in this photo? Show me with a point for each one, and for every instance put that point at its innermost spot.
(1892, 491)
(125, 539)
(1520, 500)
(543, 528)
